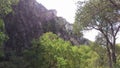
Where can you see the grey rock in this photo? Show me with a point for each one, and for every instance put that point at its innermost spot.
(29, 20)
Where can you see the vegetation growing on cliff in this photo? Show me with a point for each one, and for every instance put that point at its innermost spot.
(53, 49)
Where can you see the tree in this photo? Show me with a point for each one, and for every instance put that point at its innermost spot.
(50, 51)
(102, 15)
(100, 39)
(101, 51)
(6, 7)
(115, 3)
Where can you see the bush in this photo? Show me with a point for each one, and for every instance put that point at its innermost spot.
(50, 51)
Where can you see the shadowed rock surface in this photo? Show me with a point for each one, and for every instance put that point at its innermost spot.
(29, 20)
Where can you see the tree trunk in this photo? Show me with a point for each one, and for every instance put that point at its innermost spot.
(114, 52)
(114, 57)
(109, 56)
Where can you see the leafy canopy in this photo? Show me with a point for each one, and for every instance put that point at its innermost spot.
(96, 14)
(58, 53)
(104, 16)
(6, 6)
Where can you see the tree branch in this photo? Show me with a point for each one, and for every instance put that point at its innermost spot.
(114, 4)
(117, 30)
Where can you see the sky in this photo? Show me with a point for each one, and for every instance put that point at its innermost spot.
(67, 9)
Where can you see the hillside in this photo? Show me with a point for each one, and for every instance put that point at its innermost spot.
(29, 20)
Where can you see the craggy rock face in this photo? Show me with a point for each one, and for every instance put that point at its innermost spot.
(24, 24)
(28, 21)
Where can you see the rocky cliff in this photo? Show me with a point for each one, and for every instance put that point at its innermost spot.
(29, 20)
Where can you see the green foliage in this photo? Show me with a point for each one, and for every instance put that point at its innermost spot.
(95, 14)
(50, 51)
(102, 62)
(101, 50)
(103, 16)
(118, 55)
(5, 7)
(3, 37)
